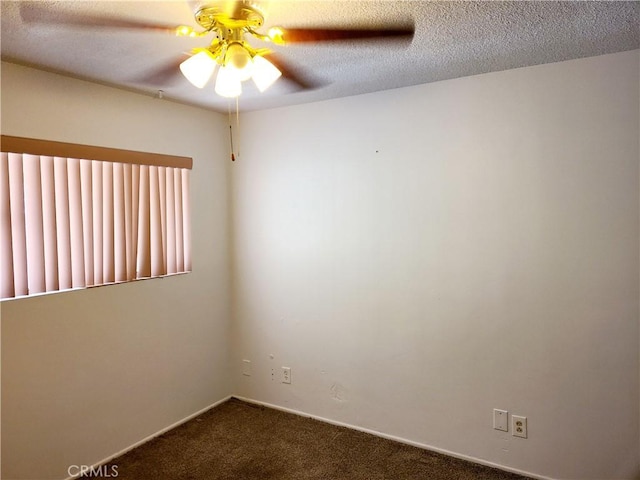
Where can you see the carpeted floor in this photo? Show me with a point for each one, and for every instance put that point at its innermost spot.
(240, 441)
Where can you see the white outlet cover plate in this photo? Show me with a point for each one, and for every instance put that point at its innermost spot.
(286, 375)
(519, 426)
(500, 420)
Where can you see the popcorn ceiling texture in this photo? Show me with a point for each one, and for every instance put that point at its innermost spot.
(452, 39)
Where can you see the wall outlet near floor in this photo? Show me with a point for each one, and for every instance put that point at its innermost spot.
(519, 426)
(246, 367)
(500, 420)
(286, 375)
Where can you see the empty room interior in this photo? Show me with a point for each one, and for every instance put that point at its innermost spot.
(430, 234)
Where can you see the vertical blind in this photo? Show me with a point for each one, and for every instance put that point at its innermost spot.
(71, 222)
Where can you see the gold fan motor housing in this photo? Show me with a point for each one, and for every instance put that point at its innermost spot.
(229, 15)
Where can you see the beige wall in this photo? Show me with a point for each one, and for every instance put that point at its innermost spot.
(418, 257)
(421, 256)
(88, 373)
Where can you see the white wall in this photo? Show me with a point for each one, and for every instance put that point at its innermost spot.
(421, 256)
(418, 257)
(88, 373)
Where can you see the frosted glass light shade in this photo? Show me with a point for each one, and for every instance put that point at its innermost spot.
(228, 84)
(199, 68)
(238, 59)
(264, 73)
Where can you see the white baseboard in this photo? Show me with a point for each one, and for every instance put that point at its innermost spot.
(322, 419)
(394, 438)
(154, 435)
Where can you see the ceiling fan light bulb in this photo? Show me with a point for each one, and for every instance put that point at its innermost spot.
(264, 73)
(238, 58)
(276, 35)
(185, 31)
(199, 68)
(228, 84)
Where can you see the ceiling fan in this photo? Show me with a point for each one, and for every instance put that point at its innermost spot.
(231, 23)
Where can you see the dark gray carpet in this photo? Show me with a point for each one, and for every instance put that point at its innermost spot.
(240, 441)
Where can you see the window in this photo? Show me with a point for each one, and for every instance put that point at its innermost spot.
(77, 216)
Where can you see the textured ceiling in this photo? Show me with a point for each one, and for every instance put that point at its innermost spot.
(452, 39)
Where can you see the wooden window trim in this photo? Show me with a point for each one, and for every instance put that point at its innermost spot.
(71, 150)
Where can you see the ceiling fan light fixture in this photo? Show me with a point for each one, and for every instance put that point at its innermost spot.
(264, 73)
(227, 83)
(238, 59)
(199, 68)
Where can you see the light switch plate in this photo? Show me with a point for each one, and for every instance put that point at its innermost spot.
(500, 420)
(246, 367)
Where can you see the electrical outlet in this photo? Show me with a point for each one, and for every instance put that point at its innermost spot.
(286, 375)
(246, 367)
(519, 426)
(500, 420)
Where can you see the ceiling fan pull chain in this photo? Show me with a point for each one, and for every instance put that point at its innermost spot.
(233, 158)
(238, 123)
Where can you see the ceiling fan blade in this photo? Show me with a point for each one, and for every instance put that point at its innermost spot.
(164, 75)
(302, 35)
(34, 13)
(295, 74)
